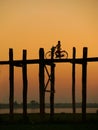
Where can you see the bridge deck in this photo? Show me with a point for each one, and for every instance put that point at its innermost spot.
(49, 61)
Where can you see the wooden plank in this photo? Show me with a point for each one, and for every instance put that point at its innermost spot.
(41, 82)
(84, 83)
(11, 78)
(24, 72)
(73, 81)
(49, 61)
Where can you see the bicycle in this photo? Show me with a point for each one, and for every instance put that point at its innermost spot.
(57, 52)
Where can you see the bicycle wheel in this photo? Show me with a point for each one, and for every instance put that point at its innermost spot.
(65, 54)
(62, 55)
(48, 55)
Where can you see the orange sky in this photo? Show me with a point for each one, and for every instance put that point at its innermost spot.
(31, 24)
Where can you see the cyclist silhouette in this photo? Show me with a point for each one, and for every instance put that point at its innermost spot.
(57, 51)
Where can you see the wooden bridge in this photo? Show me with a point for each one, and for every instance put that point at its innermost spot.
(43, 63)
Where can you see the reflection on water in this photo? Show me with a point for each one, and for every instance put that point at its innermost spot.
(47, 110)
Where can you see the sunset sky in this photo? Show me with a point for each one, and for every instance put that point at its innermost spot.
(31, 24)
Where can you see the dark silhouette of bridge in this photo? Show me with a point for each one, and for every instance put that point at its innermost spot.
(43, 63)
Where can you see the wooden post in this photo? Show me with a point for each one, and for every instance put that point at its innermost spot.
(52, 90)
(73, 81)
(52, 86)
(84, 84)
(11, 78)
(24, 72)
(41, 82)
